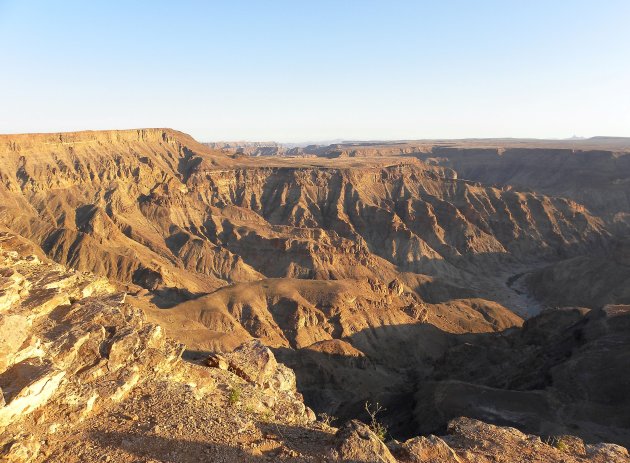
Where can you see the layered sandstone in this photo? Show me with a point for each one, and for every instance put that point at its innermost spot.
(152, 208)
(384, 272)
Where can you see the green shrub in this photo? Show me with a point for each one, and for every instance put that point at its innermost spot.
(235, 395)
(558, 443)
(376, 426)
(561, 445)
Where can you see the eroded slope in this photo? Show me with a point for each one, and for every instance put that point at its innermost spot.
(360, 272)
(84, 377)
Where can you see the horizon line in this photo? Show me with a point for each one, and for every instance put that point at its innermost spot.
(328, 140)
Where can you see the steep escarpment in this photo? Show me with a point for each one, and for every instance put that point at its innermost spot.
(596, 178)
(408, 214)
(77, 196)
(593, 172)
(132, 203)
(364, 274)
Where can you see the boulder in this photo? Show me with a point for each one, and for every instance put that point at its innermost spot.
(283, 379)
(356, 443)
(20, 451)
(395, 287)
(253, 362)
(30, 384)
(430, 449)
(474, 440)
(607, 452)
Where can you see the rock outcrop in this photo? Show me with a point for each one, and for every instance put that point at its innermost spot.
(472, 441)
(71, 348)
(356, 443)
(431, 449)
(255, 363)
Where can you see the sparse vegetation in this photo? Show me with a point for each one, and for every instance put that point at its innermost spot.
(562, 445)
(376, 426)
(558, 443)
(266, 416)
(326, 419)
(235, 395)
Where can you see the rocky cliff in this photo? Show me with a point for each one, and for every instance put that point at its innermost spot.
(72, 350)
(375, 275)
(597, 179)
(155, 209)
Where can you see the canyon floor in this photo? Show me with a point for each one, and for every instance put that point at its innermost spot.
(167, 300)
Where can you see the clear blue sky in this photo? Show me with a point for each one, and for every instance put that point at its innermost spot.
(297, 70)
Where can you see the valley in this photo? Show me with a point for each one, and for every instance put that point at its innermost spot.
(438, 278)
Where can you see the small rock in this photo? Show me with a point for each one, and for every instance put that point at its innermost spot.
(395, 287)
(217, 361)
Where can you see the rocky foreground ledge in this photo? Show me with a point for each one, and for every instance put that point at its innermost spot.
(85, 378)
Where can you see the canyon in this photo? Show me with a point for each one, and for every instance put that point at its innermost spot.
(475, 289)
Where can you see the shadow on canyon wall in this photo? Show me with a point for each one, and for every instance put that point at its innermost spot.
(563, 372)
